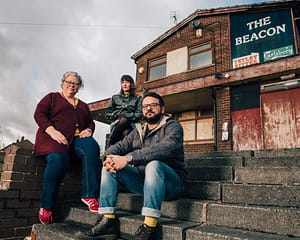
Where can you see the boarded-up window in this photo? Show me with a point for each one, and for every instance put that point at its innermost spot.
(197, 126)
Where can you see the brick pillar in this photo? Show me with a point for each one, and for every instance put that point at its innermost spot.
(20, 187)
(223, 115)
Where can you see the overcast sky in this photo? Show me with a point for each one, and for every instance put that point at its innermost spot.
(41, 39)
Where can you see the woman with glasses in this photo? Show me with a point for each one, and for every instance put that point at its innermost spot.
(65, 129)
(124, 110)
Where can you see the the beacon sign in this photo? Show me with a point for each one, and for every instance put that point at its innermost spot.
(261, 37)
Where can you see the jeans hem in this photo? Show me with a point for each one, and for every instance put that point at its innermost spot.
(107, 210)
(151, 212)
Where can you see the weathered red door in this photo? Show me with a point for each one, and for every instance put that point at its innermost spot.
(281, 118)
(246, 129)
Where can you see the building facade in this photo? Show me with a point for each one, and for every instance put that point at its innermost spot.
(231, 76)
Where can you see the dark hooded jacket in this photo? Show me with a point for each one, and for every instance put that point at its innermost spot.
(164, 143)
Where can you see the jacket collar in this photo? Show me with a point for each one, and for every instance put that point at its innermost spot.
(142, 127)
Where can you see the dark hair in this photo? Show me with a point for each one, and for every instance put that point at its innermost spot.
(128, 78)
(155, 95)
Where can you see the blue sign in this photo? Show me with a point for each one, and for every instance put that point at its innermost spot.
(261, 37)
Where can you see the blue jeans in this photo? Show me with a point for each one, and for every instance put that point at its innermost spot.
(159, 183)
(85, 149)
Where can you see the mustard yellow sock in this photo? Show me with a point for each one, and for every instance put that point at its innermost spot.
(150, 221)
(109, 215)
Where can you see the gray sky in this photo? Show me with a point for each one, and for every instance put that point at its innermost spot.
(41, 39)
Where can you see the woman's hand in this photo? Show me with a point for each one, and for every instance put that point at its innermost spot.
(56, 135)
(85, 133)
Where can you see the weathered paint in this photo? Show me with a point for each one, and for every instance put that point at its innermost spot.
(246, 129)
(281, 118)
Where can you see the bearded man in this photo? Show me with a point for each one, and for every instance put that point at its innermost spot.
(150, 162)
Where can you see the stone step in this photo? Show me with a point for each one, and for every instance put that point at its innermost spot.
(264, 195)
(264, 153)
(182, 209)
(273, 161)
(213, 161)
(210, 173)
(207, 232)
(279, 157)
(205, 190)
(277, 220)
(289, 152)
(268, 175)
(248, 194)
(169, 229)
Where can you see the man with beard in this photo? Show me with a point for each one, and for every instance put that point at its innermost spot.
(150, 162)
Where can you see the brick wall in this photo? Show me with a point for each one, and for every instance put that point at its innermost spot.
(223, 115)
(20, 186)
(216, 33)
(194, 148)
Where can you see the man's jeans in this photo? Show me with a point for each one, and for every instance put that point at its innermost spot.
(85, 149)
(159, 183)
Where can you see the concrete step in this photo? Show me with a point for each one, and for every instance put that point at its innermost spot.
(268, 175)
(274, 161)
(199, 161)
(277, 220)
(183, 209)
(289, 152)
(169, 229)
(249, 194)
(210, 173)
(276, 157)
(207, 232)
(205, 190)
(264, 195)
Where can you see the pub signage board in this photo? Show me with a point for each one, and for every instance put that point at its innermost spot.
(261, 37)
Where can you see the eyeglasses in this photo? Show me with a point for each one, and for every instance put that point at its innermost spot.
(72, 83)
(151, 105)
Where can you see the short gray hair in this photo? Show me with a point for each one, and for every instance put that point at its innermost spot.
(75, 74)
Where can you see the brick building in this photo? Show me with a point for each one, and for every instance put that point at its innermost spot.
(230, 75)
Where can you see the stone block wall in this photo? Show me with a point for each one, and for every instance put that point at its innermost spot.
(20, 187)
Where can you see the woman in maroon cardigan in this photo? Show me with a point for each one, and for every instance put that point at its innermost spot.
(64, 133)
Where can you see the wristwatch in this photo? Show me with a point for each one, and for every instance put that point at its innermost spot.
(129, 158)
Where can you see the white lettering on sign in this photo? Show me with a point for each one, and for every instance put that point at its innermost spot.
(259, 23)
(264, 33)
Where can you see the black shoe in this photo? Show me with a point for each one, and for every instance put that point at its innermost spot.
(146, 233)
(105, 228)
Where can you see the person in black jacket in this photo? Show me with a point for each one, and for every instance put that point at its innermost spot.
(150, 162)
(124, 110)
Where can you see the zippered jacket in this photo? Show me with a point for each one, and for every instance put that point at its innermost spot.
(128, 106)
(164, 143)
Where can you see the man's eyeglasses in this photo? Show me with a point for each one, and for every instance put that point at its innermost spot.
(151, 105)
(72, 83)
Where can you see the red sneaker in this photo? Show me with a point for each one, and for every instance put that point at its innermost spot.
(92, 203)
(45, 216)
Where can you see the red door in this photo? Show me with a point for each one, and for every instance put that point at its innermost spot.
(246, 129)
(281, 118)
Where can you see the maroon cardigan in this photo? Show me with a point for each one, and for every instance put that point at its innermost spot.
(55, 110)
